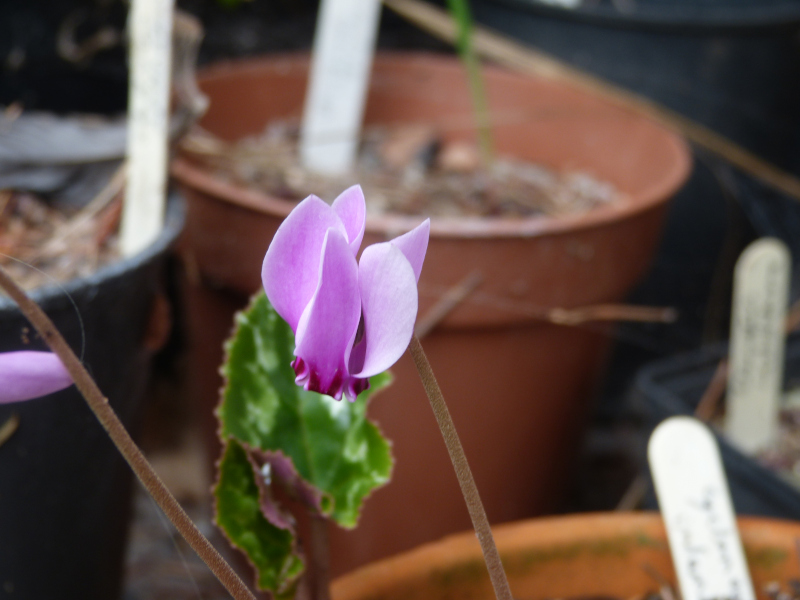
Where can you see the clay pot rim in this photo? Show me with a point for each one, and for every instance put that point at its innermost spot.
(374, 578)
(657, 193)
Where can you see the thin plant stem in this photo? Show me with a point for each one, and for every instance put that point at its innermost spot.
(122, 440)
(476, 511)
(462, 15)
(481, 107)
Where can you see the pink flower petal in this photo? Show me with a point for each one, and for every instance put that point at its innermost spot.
(291, 265)
(414, 245)
(389, 307)
(327, 328)
(30, 374)
(352, 210)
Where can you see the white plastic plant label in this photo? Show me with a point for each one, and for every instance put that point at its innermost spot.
(698, 513)
(150, 27)
(760, 296)
(340, 66)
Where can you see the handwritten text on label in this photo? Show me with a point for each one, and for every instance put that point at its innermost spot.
(698, 513)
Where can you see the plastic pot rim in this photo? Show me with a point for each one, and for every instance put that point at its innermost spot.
(697, 19)
(173, 224)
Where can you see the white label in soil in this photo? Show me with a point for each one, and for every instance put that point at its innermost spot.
(760, 295)
(698, 513)
(148, 105)
(343, 48)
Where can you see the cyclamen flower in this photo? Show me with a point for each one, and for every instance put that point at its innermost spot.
(30, 374)
(351, 319)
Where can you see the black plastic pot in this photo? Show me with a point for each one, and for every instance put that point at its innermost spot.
(732, 65)
(37, 75)
(65, 491)
(675, 386)
(91, 79)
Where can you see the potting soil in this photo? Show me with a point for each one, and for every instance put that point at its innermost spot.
(41, 244)
(407, 169)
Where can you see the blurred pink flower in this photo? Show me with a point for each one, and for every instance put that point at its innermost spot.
(30, 374)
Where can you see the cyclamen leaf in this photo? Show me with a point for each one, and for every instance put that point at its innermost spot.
(274, 465)
(331, 443)
(324, 452)
(270, 549)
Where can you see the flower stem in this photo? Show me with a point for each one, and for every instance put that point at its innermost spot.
(476, 511)
(320, 558)
(462, 15)
(123, 441)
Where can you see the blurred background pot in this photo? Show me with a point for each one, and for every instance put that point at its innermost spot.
(603, 555)
(674, 386)
(519, 388)
(65, 491)
(731, 65)
(64, 56)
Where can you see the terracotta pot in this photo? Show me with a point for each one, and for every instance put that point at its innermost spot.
(582, 556)
(518, 388)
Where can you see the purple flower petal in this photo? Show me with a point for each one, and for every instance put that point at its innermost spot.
(350, 321)
(30, 374)
(327, 327)
(414, 245)
(389, 307)
(291, 265)
(352, 210)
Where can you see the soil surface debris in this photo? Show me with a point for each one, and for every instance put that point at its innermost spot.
(41, 245)
(406, 169)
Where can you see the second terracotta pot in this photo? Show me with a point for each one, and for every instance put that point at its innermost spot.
(602, 555)
(518, 388)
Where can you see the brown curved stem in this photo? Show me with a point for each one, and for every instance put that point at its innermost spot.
(476, 511)
(123, 441)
